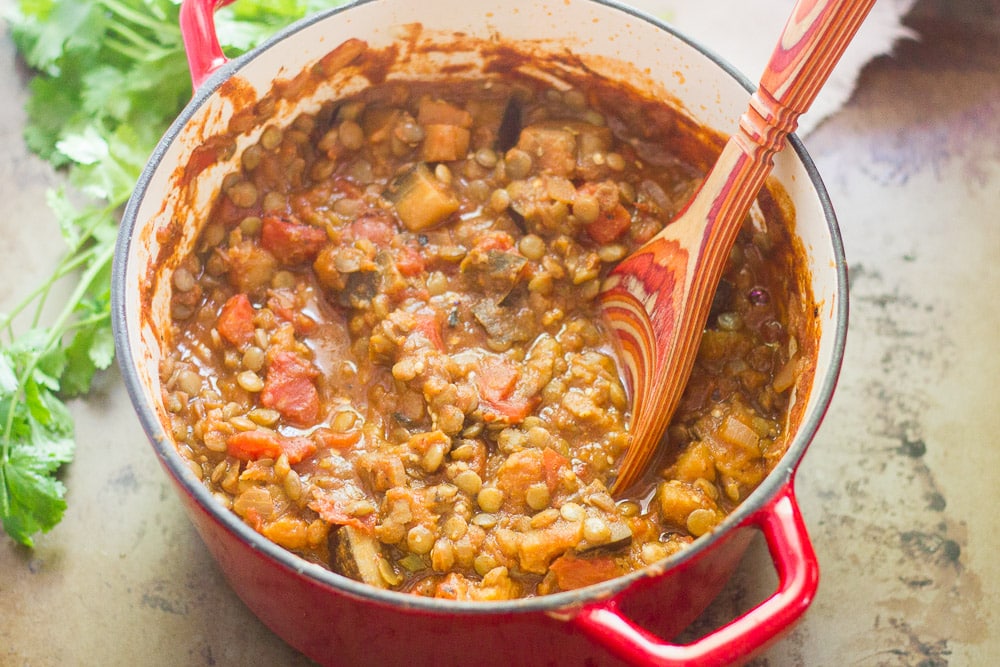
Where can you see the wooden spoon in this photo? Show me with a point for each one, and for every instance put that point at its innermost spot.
(658, 298)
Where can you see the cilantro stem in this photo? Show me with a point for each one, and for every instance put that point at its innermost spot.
(139, 45)
(70, 264)
(157, 25)
(56, 331)
(75, 257)
(4, 504)
(59, 327)
(72, 260)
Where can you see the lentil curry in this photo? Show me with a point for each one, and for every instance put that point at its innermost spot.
(386, 355)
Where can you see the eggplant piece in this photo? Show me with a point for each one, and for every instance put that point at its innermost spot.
(510, 126)
(420, 199)
(518, 220)
(504, 270)
(359, 289)
(358, 555)
(503, 324)
(722, 298)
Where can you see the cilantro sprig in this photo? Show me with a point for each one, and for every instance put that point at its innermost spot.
(109, 77)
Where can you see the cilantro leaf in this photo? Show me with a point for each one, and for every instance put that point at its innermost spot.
(34, 497)
(31, 498)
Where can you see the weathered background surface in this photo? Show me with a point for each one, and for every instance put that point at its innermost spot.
(899, 489)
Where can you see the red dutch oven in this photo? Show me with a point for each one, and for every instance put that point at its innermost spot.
(338, 621)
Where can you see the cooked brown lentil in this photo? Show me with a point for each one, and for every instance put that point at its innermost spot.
(387, 356)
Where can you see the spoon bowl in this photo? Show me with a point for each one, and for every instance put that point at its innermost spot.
(657, 299)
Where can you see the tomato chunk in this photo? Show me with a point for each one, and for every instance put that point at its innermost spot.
(496, 379)
(253, 445)
(409, 261)
(553, 463)
(497, 382)
(428, 325)
(291, 242)
(340, 440)
(289, 388)
(260, 444)
(572, 572)
(235, 322)
(610, 225)
(379, 229)
(337, 506)
(613, 219)
(298, 448)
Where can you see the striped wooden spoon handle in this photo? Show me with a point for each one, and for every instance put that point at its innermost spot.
(657, 300)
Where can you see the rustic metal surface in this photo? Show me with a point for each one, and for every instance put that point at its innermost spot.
(899, 489)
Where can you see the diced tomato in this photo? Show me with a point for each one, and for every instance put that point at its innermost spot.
(379, 229)
(298, 448)
(553, 462)
(289, 388)
(519, 472)
(235, 322)
(496, 379)
(282, 304)
(572, 572)
(494, 241)
(513, 410)
(253, 445)
(613, 220)
(610, 225)
(291, 242)
(409, 261)
(497, 382)
(411, 292)
(334, 505)
(229, 214)
(340, 440)
(428, 325)
(261, 444)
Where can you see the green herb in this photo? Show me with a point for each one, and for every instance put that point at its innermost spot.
(110, 76)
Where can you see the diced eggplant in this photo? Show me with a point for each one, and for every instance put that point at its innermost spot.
(358, 555)
(444, 143)
(567, 148)
(504, 270)
(359, 289)
(721, 299)
(446, 130)
(502, 263)
(503, 324)
(518, 220)
(510, 126)
(592, 145)
(497, 272)
(433, 111)
(551, 146)
(421, 200)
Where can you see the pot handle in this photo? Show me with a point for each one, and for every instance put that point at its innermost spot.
(798, 577)
(201, 42)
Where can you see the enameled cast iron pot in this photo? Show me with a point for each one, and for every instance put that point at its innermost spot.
(339, 621)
